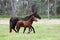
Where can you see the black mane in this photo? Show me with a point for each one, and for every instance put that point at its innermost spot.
(27, 17)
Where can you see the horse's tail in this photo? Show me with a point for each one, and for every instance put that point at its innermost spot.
(10, 26)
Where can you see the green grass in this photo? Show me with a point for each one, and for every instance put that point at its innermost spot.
(5, 16)
(54, 17)
(43, 32)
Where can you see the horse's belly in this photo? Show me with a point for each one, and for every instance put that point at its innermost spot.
(26, 24)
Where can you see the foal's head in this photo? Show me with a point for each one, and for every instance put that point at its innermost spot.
(33, 18)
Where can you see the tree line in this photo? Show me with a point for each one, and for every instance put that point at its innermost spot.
(24, 7)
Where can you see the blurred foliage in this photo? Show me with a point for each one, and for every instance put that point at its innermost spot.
(58, 8)
(42, 6)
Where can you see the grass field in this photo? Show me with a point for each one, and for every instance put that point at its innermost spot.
(43, 32)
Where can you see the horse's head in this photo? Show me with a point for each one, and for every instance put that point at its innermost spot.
(36, 15)
(34, 18)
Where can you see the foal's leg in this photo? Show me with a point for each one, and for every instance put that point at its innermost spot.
(29, 29)
(24, 29)
(33, 29)
(17, 28)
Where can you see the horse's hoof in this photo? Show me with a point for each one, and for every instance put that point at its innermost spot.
(23, 32)
(17, 32)
(28, 32)
(33, 32)
(10, 32)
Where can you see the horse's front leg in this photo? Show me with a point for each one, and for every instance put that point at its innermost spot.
(14, 30)
(29, 29)
(33, 29)
(24, 29)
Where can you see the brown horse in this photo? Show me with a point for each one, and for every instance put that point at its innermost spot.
(26, 24)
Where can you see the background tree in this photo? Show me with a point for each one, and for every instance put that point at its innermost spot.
(24, 7)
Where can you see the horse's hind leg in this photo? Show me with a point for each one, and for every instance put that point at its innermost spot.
(33, 29)
(17, 28)
(10, 29)
(24, 29)
(14, 29)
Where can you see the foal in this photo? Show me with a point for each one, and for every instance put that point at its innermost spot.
(26, 24)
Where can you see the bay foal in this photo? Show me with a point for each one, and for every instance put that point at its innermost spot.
(26, 24)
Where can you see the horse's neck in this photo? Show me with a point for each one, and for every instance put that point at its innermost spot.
(30, 20)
